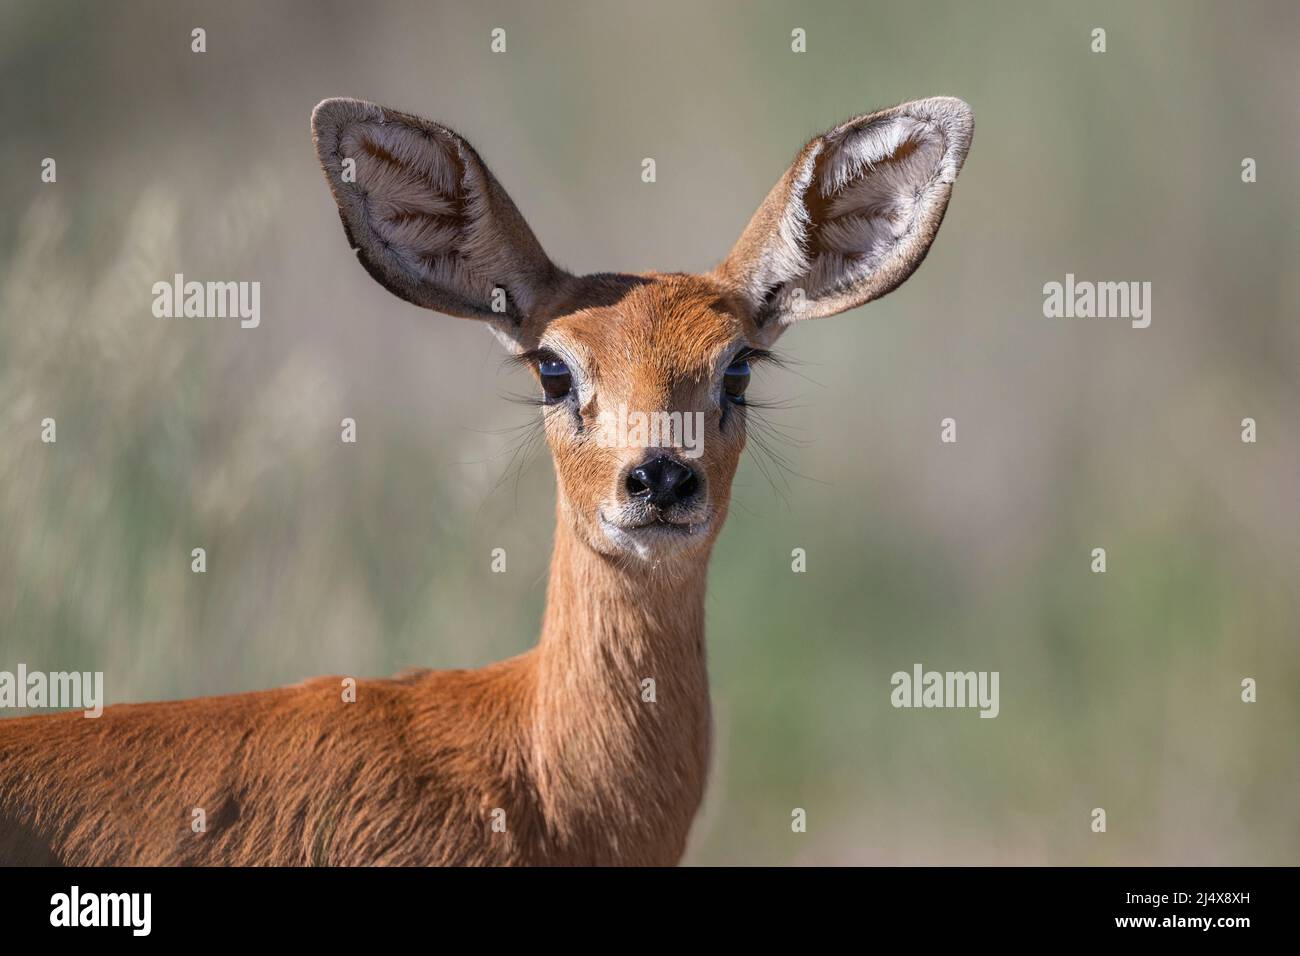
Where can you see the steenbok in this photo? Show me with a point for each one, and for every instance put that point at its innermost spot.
(555, 756)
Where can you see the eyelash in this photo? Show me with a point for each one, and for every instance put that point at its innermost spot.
(755, 356)
(534, 359)
(748, 355)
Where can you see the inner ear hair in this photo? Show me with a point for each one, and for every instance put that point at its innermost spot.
(426, 217)
(854, 215)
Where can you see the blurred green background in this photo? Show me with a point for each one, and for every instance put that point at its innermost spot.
(1118, 691)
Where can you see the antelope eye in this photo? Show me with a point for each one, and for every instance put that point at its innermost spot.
(736, 378)
(557, 381)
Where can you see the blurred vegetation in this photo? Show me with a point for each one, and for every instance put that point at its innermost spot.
(1118, 690)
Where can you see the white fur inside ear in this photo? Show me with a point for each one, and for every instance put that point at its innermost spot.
(855, 215)
(876, 182)
(427, 218)
(411, 202)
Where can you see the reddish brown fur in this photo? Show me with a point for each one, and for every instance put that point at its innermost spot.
(411, 772)
(560, 739)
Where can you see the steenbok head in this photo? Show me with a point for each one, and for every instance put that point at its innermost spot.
(643, 377)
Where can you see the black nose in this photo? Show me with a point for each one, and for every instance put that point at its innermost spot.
(662, 481)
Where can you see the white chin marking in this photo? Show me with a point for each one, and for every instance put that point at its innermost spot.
(649, 542)
(625, 540)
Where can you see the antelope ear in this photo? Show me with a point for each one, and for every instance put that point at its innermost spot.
(427, 219)
(853, 216)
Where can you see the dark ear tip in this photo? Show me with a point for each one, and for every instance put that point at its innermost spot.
(322, 115)
(333, 112)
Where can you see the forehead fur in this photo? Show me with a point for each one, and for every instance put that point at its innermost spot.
(677, 323)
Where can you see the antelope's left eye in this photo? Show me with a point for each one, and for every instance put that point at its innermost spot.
(557, 381)
(736, 378)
